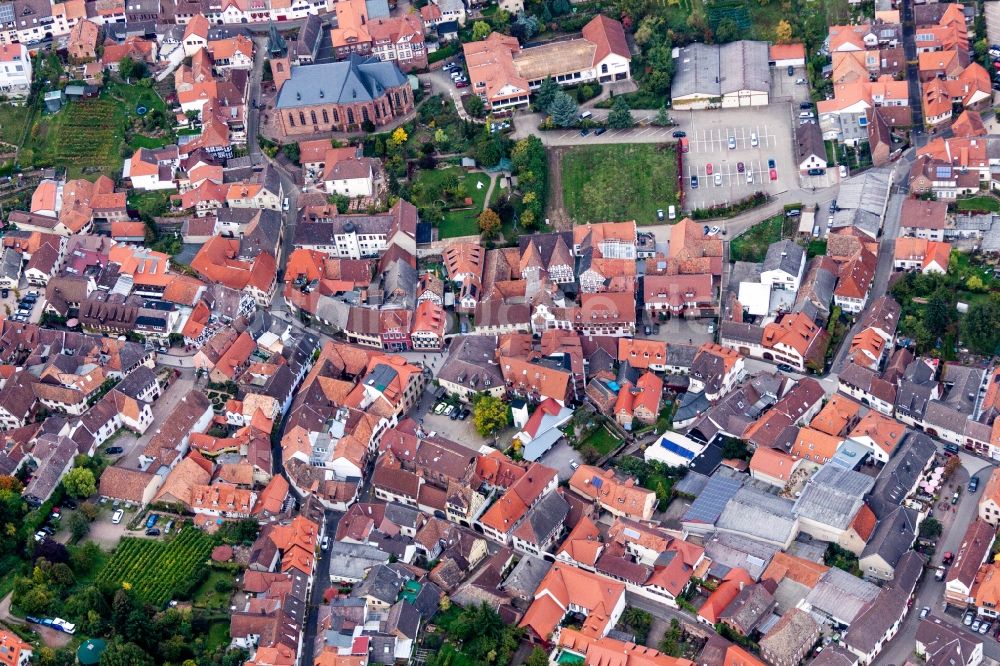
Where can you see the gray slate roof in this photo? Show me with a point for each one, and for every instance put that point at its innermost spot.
(893, 536)
(354, 80)
(784, 256)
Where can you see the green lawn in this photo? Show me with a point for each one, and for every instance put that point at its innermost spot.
(153, 202)
(603, 440)
(12, 121)
(752, 244)
(445, 188)
(218, 636)
(208, 597)
(619, 182)
(985, 203)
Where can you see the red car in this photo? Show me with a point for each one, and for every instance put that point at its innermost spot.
(774, 174)
(708, 169)
(462, 84)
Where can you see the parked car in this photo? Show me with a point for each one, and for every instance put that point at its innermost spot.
(969, 617)
(153, 531)
(70, 504)
(773, 173)
(976, 624)
(784, 367)
(939, 574)
(466, 412)
(5, 293)
(749, 176)
(285, 205)
(951, 448)
(843, 171)
(924, 612)
(694, 182)
(954, 498)
(647, 330)
(973, 484)
(170, 526)
(740, 167)
(708, 169)
(791, 71)
(660, 214)
(679, 134)
(40, 536)
(117, 517)
(718, 179)
(984, 628)
(326, 543)
(151, 520)
(461, 84)
(770, 163)
(574, 464)
(800, 82)
(732, 143)
(114, 450)
(584, 132)
(600, 130)
(455, 413)
(948, 558)
(753, 139)
(448, 410)
(439, 407)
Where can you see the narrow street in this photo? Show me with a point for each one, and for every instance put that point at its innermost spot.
(930, 592)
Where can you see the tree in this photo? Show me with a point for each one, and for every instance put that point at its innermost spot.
(975, 283)
(490, 415)
(79, 482)
(398, 138)
(538, 657)
(489, 223)
(662, 118)
(120, 653)
(473, 106)
(78, 525)
(670, 644)
(481, 30)
(981, 326)
(783, 32)
(563, 109)
(620, 116)
(525, 27)
(938, 314)
(131, 69)
(734, 448)
(931, 528)
(528, 220)
(546, 92)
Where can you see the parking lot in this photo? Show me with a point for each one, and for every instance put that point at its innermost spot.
(721, 141)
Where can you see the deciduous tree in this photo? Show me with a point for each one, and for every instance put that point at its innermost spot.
(490, 414)
(481, 30)
(783, 32)
(79, 482)
(489, 223)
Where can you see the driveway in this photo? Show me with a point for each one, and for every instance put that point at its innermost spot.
(559, 458)
(52, 638)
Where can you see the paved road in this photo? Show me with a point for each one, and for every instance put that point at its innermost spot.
(930, 592)
(321, 581)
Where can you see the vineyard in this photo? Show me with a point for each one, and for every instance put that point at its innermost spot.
(154, 569)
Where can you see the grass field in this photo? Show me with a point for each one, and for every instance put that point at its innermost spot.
(207, 596)
(153, 569)
(985, 203)
(603, 440)
(12, 122)
(752, 244)
(435, 185)
(619, 182)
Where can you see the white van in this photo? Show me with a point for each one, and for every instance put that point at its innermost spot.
(806, 114)
(671, 213)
